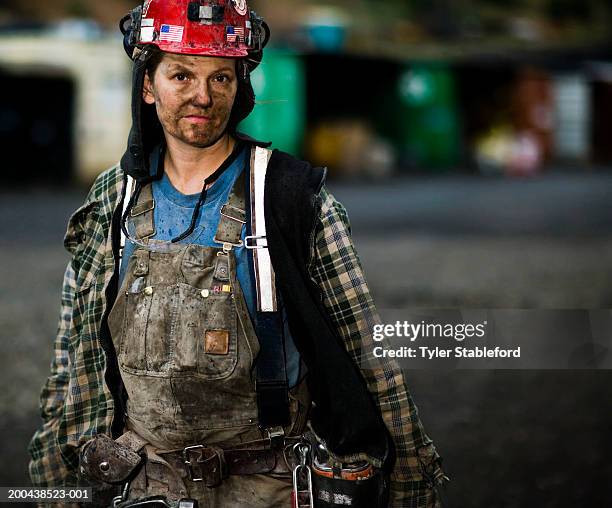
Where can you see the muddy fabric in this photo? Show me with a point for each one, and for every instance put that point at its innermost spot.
(173, 214)
(246, 491)
(184, 342)
(186, 347)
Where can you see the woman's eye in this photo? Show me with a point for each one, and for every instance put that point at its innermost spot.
(221, 78)
(180, 77)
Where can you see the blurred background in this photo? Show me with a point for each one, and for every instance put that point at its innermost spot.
(471, 142)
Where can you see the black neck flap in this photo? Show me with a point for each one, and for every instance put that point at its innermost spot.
(140, 143)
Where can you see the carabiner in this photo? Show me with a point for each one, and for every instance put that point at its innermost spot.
(302, 495)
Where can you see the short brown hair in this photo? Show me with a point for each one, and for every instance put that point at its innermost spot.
(153, 61)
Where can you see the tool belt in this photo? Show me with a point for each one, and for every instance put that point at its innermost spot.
(117, 462)
(211, 464)
(317, 481)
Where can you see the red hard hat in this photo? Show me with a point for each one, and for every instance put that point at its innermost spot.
(223, 28)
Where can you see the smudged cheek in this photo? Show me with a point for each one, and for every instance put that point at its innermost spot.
(223, 102)
(168, 113)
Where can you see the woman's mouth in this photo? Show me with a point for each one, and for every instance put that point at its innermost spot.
(197, 119)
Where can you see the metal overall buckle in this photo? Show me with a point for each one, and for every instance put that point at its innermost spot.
(237, 215)
(209, 460)
(255, 242)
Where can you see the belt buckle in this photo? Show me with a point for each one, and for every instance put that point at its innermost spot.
(217, 470)
(276, 436)
(187, 461)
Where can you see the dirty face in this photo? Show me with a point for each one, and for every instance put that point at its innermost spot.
(193, 96)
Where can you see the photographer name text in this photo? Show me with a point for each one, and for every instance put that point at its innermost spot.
(420, 331)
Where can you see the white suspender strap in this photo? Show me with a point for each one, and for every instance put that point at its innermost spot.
(129, 188)
(258, 242)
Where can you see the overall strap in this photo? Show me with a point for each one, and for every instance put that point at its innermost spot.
(272, 384)
(233, 216)
(141, 214)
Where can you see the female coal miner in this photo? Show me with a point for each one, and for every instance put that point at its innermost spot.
(215, 339)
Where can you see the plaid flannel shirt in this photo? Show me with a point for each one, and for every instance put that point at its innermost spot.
(76, 403)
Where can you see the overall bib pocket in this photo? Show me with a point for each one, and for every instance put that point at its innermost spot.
(150, 318)
(207, 343)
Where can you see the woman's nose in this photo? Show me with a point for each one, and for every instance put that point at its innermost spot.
(202, 96)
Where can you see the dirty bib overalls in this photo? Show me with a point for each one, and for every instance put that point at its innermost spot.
(186, 345)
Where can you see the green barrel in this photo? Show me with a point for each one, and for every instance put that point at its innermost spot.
(280, 112)
(422, 117)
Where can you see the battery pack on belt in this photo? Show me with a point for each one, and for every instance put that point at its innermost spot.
(319, 484)
(357, 485)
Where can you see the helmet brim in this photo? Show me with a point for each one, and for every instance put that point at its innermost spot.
(195, 50)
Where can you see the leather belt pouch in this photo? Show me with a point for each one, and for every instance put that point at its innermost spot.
(104, 460)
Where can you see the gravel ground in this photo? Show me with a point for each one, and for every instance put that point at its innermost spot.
(488, 272)
(509, 438)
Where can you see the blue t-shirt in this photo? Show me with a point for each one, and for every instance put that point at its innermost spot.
(172, 216)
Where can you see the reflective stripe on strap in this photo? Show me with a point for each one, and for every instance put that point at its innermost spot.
(129, 188)
(264, 273)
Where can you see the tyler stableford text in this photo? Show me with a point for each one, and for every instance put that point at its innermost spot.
(422, 330)
(430, 353)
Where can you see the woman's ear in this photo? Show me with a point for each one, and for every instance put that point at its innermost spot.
(147, 90)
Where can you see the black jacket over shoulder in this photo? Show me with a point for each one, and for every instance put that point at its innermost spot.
(344, 414)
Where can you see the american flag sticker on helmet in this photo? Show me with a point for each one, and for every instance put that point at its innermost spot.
(234, 33)
(173, 33)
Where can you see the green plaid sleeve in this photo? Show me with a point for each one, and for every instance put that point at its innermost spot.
(337, 270)
(47, 467)
(75, 403)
